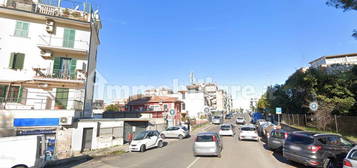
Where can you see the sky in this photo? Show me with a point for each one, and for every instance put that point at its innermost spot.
(233, 42)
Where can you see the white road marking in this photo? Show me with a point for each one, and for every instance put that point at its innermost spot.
(189, 166)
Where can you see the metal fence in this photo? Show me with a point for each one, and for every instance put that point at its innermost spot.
(346, 125)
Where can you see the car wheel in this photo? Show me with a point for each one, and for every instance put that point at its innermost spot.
(160, 144)
(142, 148)
(329, 163)
(162, 136)
(180, 136)
(20, 166)
(219, 155)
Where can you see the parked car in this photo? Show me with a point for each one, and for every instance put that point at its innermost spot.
(351, 159)
(248, 132)
(229, 116)
(145, 140)
(276, 139)
(240, 120)
(267, 130)
(208, 144)
(261, 126)
(316, 150)
(217, 120)
(175, 132)
(227, 130)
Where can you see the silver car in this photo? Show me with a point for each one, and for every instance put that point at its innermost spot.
(217, 120)
(351, 159)
(208, 144)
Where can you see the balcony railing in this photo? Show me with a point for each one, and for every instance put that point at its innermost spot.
(52, 10)
(45, 73)
(39, 104)
(57, 42)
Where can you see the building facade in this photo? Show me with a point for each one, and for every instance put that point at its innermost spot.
(48, 59)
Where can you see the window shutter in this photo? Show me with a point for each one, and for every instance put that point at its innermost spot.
(73, 68)
(68, 38)
(56, 66)
(11, 64)
(19, 60)
(25, 29)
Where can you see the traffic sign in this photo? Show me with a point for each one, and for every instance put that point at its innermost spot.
(278, 110)
(172, 112)
(206, 110)
(313, 106)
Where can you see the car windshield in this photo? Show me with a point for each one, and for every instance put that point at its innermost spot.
(140, 136)
(204, 138)
(184, 128)
(248, 129)
(225, 127)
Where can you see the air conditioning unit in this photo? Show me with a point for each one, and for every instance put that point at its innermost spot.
(50, 26)
(46, 54)
(65, 121)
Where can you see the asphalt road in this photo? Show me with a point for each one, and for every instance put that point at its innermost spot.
(178, 154)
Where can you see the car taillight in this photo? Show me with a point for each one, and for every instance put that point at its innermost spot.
(347, 163)
(314, 148)
(286, 135)
(214, 138)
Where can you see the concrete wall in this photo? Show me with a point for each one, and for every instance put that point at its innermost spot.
(97, 141)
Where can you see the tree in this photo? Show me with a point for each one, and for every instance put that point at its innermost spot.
(112, 107)
(262, 103)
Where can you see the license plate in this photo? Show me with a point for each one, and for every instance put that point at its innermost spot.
(292, 147)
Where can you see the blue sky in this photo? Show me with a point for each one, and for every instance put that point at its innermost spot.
(262, 42)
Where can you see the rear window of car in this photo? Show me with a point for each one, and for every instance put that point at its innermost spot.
(204, 138)
(225, 127)
(239, 118)
(216, 117)
(298, 139)
(277, 134)
(184, 128)
(247, 129)
(353, 155)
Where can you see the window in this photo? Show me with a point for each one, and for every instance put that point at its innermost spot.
(68, 38)
(183, 106)
(118, 132)
(14, 94)
(17, 61)
(64, 68)
(106, 132)
(204, 138)
(300, 139)
(353, 155)
(21, 29)
(61, 98)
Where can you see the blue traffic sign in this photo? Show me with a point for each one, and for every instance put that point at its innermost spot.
(278, 110)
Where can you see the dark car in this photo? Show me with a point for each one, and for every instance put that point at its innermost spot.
(276, 139)
(316, 150)
(229, 116)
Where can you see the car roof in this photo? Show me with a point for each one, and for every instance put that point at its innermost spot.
(304, 133)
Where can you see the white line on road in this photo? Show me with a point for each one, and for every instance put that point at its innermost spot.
(189, 166)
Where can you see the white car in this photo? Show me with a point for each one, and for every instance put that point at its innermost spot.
(217, 120)
(351, 159)
(248, 132)
(226, 130)
(240, 120)
(175, 132)
(146, 140)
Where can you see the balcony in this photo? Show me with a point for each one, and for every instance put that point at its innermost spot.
(45, 73)
(55, 44)
(52, 8)
(39, 104)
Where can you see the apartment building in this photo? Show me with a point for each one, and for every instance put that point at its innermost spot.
(48, 56)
